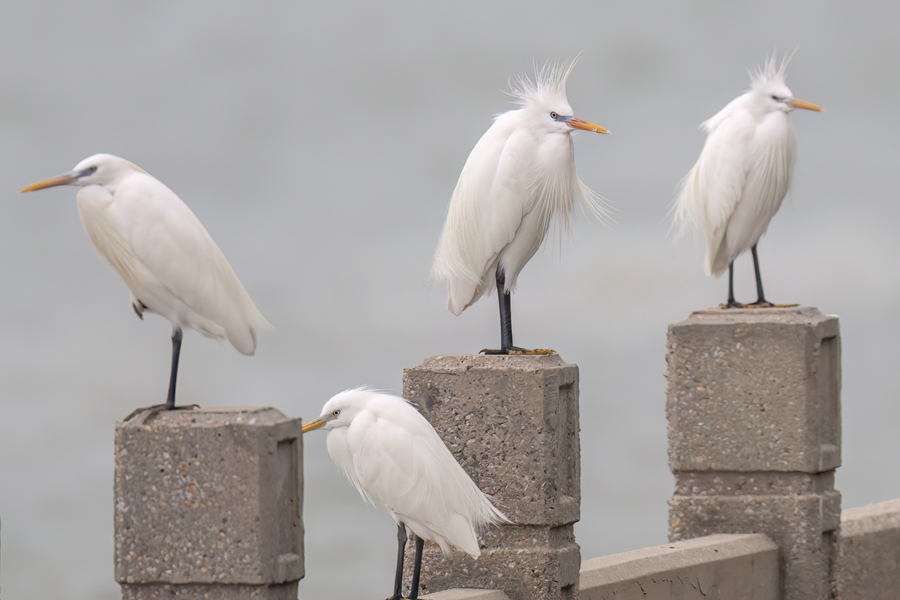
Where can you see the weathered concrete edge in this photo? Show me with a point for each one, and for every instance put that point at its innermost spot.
(654, 561)
(467, 594)
(682, 556)
(871, 518)
(866, 567)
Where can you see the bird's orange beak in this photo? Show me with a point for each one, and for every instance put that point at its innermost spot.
(313, 425)
(576, 123)
(794, 103)
(64, 179)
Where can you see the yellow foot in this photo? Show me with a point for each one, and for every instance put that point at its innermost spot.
(770, 305)
(726, 306)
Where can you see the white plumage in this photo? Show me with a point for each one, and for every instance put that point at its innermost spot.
(396, 459)
(744, 169)
(519, 177)
(167, 259)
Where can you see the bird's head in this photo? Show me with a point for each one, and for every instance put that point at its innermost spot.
(100, 169)
(771, 92)
(340, 409)
(543, 100)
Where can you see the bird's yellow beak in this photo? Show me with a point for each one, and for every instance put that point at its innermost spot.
(313, 425)
(63, 179)
(576, 123)
(794, 103)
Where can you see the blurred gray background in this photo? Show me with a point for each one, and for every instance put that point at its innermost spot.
(319, 144)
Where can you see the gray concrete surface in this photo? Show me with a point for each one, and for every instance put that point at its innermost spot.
(208, 504)
(716, 567)
(868, 565)
(753, 405)
(466, 594)
(754, 390)
(512, 423)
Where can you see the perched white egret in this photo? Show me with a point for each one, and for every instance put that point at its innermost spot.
(518, 178)
(395, 458)
(168, 261)
(743, 174)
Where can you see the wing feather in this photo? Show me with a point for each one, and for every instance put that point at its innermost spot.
(402, 463)
(485, 212)
(168, 259)
(715, 185)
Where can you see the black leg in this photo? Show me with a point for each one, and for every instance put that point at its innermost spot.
(506, 339)
(414, 587)
(505, 317)
(760, 297)
(505, 313)
(401, 549)
(731, 284)
(732, 303)
(176, 351)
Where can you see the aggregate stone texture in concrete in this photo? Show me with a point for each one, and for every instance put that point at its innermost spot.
(754, 435)
(716, 567)
(512, 423)
(209, 497)
(803, 526)
(466, 594)
(868, 564)
(754, 390)
(209, 591)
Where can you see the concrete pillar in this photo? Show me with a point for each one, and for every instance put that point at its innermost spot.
(755, 434)
(512, 423)
(208, 505)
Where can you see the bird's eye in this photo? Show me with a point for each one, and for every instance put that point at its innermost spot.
(553, 115)
(336, 413)
(93, 169)
(776, 98)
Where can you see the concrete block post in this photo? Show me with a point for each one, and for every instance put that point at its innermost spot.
(755, 435)
(512, 423)
(208, 505)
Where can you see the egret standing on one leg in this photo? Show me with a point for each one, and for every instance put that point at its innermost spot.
(518, 178)
(167, 259)
(742, 175)
(394, 457)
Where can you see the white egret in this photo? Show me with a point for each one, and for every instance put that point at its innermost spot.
(742, 175)
(169, 262)
(518, 178)
(395, 458)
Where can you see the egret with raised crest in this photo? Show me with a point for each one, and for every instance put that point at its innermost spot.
(742, 175)
(519, 177)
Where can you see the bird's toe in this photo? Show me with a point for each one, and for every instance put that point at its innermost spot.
(532, 352)
(732, 304)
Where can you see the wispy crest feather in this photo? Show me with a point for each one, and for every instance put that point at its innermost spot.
(769, 72)
(549, 81)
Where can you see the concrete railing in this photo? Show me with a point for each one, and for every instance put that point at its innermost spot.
(729, 567)
(208, 502)
(868, 564)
